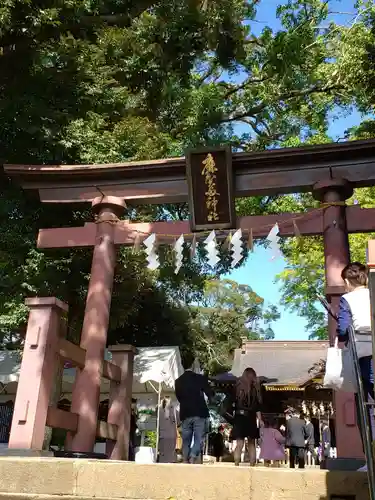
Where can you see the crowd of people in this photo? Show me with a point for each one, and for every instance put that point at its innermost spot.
(299, 432)
(242, 408)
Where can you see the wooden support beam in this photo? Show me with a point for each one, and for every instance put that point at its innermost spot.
(72, 352)
(359, 220)
(111, 371)
(277, 171)
(61, 419)
(106, 431)
(67, 237)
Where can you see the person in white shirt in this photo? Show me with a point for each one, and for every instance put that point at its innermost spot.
(355, 310)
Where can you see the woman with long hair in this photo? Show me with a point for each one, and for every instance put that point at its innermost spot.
(246, 411)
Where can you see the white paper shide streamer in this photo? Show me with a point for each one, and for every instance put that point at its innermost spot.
(178, 253)
(152, 257)
(210, 244)
(236, 248)
(273, 241)
(193, 247)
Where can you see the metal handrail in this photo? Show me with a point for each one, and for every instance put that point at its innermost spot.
(364, 424)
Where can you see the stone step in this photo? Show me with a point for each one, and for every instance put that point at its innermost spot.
(27, 478)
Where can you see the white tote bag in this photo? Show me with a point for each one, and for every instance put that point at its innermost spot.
(340, 374)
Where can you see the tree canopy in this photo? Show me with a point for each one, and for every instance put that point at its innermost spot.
(227, 313)
(303, 277)
(106, 81)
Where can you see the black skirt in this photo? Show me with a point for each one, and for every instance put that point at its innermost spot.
(245, 426)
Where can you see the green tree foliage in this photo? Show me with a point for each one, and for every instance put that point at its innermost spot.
(353, 50)
(108, 81)
(83, 82)
(115, 71)
(303, 277)
(228, 313)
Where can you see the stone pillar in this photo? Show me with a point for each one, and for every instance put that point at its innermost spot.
(120, 397)
(86, 391)
(337, 256)
(36, 380)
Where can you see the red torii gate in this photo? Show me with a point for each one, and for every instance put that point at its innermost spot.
(330, 172)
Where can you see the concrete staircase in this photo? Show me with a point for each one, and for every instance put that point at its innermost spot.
(66, 479)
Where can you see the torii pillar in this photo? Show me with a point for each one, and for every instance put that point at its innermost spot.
(337, 255)
(86, 391)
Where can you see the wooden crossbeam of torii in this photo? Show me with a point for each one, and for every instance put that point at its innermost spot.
(289, 170)
(359, 220)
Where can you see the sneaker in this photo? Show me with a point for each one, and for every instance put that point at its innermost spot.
(363, 468)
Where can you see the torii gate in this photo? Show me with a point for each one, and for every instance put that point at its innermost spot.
(330, 172)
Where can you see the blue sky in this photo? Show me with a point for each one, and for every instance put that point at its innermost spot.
(259, 271)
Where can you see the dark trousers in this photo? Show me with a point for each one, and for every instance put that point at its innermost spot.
(366, 367)
(296, 455)
(131, 452)
(193, 427)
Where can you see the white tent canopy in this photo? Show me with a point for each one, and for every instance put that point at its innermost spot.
(161, 365)
(158, 365)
